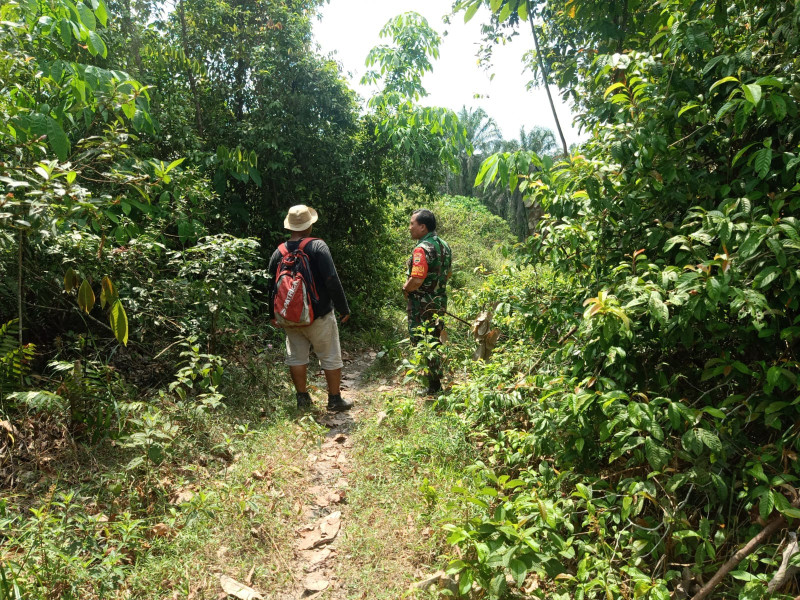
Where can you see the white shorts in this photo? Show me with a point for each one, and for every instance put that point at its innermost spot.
(322, 335)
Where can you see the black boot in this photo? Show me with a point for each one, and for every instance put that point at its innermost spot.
(303, 400)
(337, 404)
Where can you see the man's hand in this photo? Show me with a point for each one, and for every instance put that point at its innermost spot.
(345, 318)
(412, 284)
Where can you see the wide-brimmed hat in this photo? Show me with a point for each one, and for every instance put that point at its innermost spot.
(300, 218)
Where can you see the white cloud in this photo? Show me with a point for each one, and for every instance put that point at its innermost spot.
(350, 28)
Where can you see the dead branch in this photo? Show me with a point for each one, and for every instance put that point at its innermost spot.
(774, 525)
(785, 571)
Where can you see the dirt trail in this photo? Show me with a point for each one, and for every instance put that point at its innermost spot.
(314, 556)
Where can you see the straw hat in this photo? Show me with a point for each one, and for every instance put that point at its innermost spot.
(300, 218)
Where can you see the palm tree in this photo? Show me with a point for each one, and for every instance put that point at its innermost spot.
(483, 138)
(542, 141)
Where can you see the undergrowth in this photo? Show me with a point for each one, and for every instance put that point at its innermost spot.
(181, 490)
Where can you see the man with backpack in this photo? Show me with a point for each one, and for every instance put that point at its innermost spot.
(305, 290)
(428, 270)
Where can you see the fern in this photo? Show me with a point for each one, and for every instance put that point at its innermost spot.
(14, 360)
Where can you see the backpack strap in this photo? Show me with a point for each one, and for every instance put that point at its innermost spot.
(305, 241)
(283, 249)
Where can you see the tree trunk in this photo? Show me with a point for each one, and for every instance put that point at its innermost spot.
(544, 79)
(130, 30)
(189, 73)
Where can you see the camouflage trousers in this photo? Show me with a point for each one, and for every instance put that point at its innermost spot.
(423, 325)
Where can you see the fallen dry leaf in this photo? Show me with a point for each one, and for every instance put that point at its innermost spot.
(381, 417)
(160, 530)
(249, 579)
(9, 427)
(239, 590)
(221, 551)
(182, 496)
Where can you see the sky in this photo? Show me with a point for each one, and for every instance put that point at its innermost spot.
(350, 28)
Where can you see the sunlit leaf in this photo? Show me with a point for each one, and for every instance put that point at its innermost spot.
(119, 322)
(86, 297)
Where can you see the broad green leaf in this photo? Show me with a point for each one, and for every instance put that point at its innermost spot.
(497, 587)
(778, 106)
(657, 455)
(770, 81)
(659, 592)
(767, 276)
(658, 309)
(612, 87)
(129, 109)
(254, 175)
(763, 161)
(86, 16)
(505, 12)
(710, 439)
(752, 93)
(691, 442)
(65, 31)
(96, 44)
(720, 486)
(471, 10)
(57, 139)
(741, 152)
(766, 505)
(101, 12)
(465, 582)
(71, 280)
(723, 80)
(86, 297)
(119, 322)
(518, 570)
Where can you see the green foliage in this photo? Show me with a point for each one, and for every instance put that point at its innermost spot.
(14, 360)
(649, 403)
(426, 140)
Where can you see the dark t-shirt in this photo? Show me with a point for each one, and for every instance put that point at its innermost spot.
(326, 280)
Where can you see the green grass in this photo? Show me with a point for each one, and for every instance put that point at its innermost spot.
(404, 468)
(222, 500)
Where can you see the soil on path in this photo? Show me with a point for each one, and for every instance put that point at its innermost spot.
(314, 556)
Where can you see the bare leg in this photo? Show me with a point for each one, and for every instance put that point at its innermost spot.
(334, 379)
(299, 378)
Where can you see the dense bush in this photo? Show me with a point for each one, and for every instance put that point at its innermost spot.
(648, 445)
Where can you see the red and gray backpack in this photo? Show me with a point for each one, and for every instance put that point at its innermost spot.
(295, 292)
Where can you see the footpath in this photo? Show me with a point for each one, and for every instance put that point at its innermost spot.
(314, 558)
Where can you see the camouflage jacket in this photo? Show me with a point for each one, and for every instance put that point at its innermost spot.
(432, 294)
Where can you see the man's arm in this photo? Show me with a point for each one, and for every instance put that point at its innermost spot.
(272, 271)
(330, 279)
(419, 271)
(412, 284)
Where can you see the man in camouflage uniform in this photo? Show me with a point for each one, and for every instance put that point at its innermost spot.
(428, 270)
